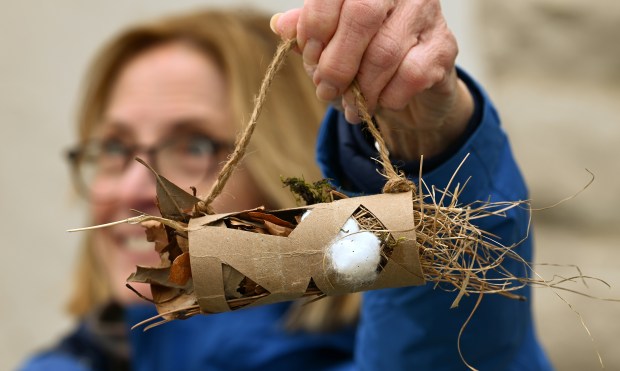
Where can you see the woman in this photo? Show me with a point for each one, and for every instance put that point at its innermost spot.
(174, 93)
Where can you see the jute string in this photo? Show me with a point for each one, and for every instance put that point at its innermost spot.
(395, 182)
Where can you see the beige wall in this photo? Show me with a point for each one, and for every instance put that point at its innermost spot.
(553, 68)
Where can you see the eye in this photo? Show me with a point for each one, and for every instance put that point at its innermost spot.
(113, 147)
(198, 146)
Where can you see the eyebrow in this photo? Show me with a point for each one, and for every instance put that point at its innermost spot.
(188, 124)
(113, 127)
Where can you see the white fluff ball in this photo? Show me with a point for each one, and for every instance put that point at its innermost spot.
(355, 256)
(349, 227)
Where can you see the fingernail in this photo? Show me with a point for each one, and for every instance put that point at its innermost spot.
(312, 51)
(273, 23)
(350, 114)
(326, 92)
(310, 70)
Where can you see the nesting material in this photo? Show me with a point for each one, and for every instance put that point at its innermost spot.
(355, 255)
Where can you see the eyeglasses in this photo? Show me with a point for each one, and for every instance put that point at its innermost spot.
(186, 160)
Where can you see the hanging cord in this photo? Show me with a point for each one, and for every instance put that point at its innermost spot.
(395, 182)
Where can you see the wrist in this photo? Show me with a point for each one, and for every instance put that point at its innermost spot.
(410, 134)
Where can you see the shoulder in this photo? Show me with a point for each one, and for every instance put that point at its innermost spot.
(64, 355)
(78, 350)
(52, 361)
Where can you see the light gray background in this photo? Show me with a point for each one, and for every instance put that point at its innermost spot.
(562, 120)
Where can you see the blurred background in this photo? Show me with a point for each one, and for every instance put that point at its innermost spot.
(552, 67)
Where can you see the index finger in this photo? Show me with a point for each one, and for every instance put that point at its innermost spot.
(318, 22)
(340, 61)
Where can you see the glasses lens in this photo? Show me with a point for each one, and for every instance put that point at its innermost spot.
(188, 160)
(100, 165)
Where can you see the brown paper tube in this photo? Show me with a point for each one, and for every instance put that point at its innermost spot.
(284, 266)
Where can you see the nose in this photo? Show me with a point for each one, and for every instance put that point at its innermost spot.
(137, 188)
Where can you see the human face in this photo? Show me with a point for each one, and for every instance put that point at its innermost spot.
(166, 90)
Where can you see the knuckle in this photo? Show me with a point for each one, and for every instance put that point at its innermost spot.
(338, 73)
(414, 76)
(394, 102)
(318, 26)
(365, 14)
(385, 53)
(319, 19)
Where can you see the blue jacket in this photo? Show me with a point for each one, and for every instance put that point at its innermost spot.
(400, 329)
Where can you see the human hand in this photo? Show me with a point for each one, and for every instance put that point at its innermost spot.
(403, 57)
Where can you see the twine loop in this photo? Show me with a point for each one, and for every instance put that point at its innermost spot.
(396, 182)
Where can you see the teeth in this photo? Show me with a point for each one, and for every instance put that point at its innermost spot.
(138, 244)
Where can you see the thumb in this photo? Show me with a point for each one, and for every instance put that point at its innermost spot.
(285, 24)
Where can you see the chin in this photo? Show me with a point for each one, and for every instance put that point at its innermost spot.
(121, 250)
(125, 296)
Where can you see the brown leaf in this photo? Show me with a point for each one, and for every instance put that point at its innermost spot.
(183, 243)
(162, 294)
(248, 288)
(181, 270)
(232, 279)
(178, 303)
(156, 276)
(156, 232)
(237, 223)
(277, 230)
(257, 215)
(174, 203)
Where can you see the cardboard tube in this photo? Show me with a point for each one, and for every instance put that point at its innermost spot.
(284, 266)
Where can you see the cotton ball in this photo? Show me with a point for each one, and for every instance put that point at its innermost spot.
(305, 215)
(349, 227)
(355, 257)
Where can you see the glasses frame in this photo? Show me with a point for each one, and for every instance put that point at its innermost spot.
(74, 156)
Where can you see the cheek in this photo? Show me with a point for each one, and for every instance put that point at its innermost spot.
(118, 263)
(240, 193)
(102, 212)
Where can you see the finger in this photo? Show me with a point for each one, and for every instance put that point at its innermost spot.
(399, 33)
(351, 109)
(424, 67)
(317, 25)
(339, 63)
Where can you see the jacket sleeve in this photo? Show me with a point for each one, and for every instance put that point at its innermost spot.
(414, 328)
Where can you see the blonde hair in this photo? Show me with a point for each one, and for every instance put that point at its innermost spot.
(283, 144)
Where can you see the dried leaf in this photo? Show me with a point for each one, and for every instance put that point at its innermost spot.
(176, 305)
(259, 230)
(162, 294)
(237, 223)
(232, 279)
(156, 232)
(156, 276)
(183, 243)
(257, 215)
(174, 203)
(248, 287)
(181, 270)
(277, 230)
(165, 261)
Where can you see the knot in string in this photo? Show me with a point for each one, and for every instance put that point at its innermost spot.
(399, 185)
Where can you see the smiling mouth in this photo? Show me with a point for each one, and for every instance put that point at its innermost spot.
(136, 243)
